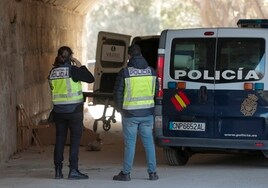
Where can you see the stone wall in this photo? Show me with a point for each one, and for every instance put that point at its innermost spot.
(31, 32)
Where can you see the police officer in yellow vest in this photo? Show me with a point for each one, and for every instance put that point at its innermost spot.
(134, 92)
(65, 81)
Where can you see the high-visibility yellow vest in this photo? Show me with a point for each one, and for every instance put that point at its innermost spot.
(64, 89)
(139, 89)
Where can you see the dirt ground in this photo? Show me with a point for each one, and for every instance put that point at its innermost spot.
(30, 169)
(33, 169)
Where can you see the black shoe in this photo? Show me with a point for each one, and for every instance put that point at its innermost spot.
(74, 174)
(122, 177)
(153, 176)
(58, 172)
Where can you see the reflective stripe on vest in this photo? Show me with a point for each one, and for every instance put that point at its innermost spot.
(64, 89)
(139, 90)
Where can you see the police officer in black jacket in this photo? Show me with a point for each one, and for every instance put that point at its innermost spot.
(65, 81)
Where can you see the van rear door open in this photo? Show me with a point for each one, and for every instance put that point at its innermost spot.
(111, 56)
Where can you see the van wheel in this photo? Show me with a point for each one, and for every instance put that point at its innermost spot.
(176, 156)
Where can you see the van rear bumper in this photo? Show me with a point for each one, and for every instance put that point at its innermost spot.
(212, 143)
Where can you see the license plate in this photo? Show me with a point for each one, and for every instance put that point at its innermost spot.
(187, 126)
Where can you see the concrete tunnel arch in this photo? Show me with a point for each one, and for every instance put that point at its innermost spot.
(31, 32)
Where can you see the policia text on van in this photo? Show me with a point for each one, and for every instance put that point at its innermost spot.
(214, 91)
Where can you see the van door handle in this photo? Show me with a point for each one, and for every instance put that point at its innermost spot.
(202, 95)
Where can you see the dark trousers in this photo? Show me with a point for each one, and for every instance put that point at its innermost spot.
(73, 123)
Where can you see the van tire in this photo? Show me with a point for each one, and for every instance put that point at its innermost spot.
(175, 156)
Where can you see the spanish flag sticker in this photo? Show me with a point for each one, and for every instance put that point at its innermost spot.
(180, 101)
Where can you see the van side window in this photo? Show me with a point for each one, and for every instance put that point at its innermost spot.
(188, 54)
(241, 54)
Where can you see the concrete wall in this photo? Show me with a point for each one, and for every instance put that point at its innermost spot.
(31, 32)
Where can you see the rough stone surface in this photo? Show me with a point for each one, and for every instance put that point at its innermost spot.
(31, 32)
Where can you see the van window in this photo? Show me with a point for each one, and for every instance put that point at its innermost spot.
(240, 56)
(237, 60)
(190, 54)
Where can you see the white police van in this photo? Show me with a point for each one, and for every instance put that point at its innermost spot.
(214, 90)
(213, 86)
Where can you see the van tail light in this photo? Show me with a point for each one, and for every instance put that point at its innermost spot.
(160, 71)
(259, 144)
(176, 85)
(209, 33)
(253, 86)
(259, 86)
(248, 86)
